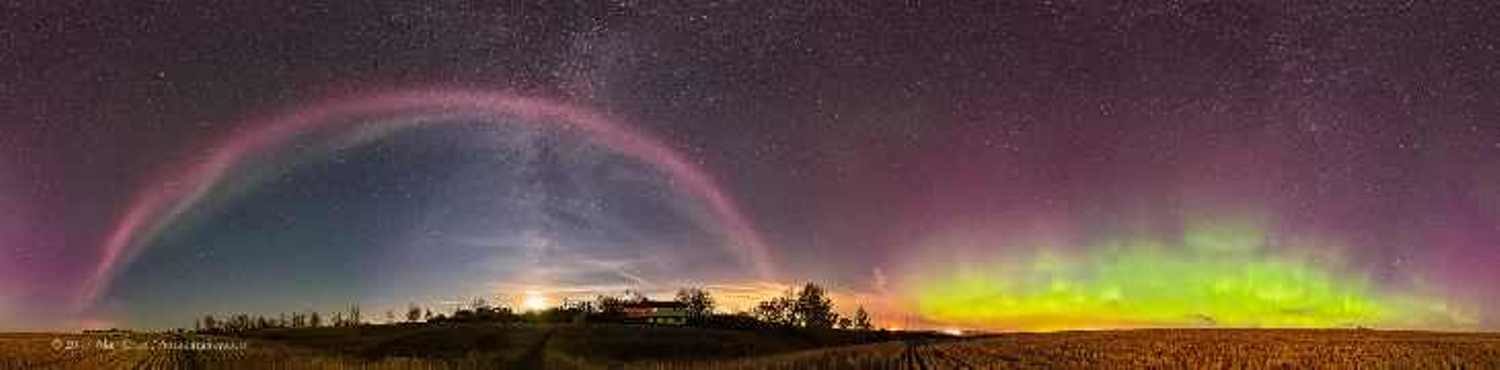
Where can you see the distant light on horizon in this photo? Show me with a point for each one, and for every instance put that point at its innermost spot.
(534, 301)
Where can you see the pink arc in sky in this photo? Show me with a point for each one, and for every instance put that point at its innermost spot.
(165, 198)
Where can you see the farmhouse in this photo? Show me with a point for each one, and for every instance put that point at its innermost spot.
(656, 312)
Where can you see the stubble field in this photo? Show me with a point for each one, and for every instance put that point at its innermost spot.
(525, 348)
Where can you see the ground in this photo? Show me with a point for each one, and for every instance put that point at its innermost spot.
(644, 347)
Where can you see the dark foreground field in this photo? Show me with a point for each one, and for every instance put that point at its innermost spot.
(634, 347)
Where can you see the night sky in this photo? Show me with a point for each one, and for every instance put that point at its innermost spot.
(1004, 166)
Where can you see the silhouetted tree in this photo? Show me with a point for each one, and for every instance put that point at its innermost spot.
(809, 307)
(240, 322)
(578, 306)
(609, 307)
(354, 316)
(699, 303)
(862, 319)
(777, 311)
(413, 313)
(463, 314)
(813, 308)
(633, 296)
(314, 320)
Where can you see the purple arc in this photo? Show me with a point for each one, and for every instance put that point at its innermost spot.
(155, 207)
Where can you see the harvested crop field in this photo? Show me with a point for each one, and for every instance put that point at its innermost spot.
(1156, 349)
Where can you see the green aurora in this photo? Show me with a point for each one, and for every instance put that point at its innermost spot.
(1217, 275)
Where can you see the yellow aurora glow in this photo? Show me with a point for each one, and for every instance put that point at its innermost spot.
(1216, 275)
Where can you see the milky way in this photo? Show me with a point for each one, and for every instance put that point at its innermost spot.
(1031, 166)
(179, 191)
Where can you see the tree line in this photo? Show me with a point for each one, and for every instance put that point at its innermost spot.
(235, 323)
(809, 307)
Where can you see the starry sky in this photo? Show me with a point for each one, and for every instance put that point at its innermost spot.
(992, 165)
